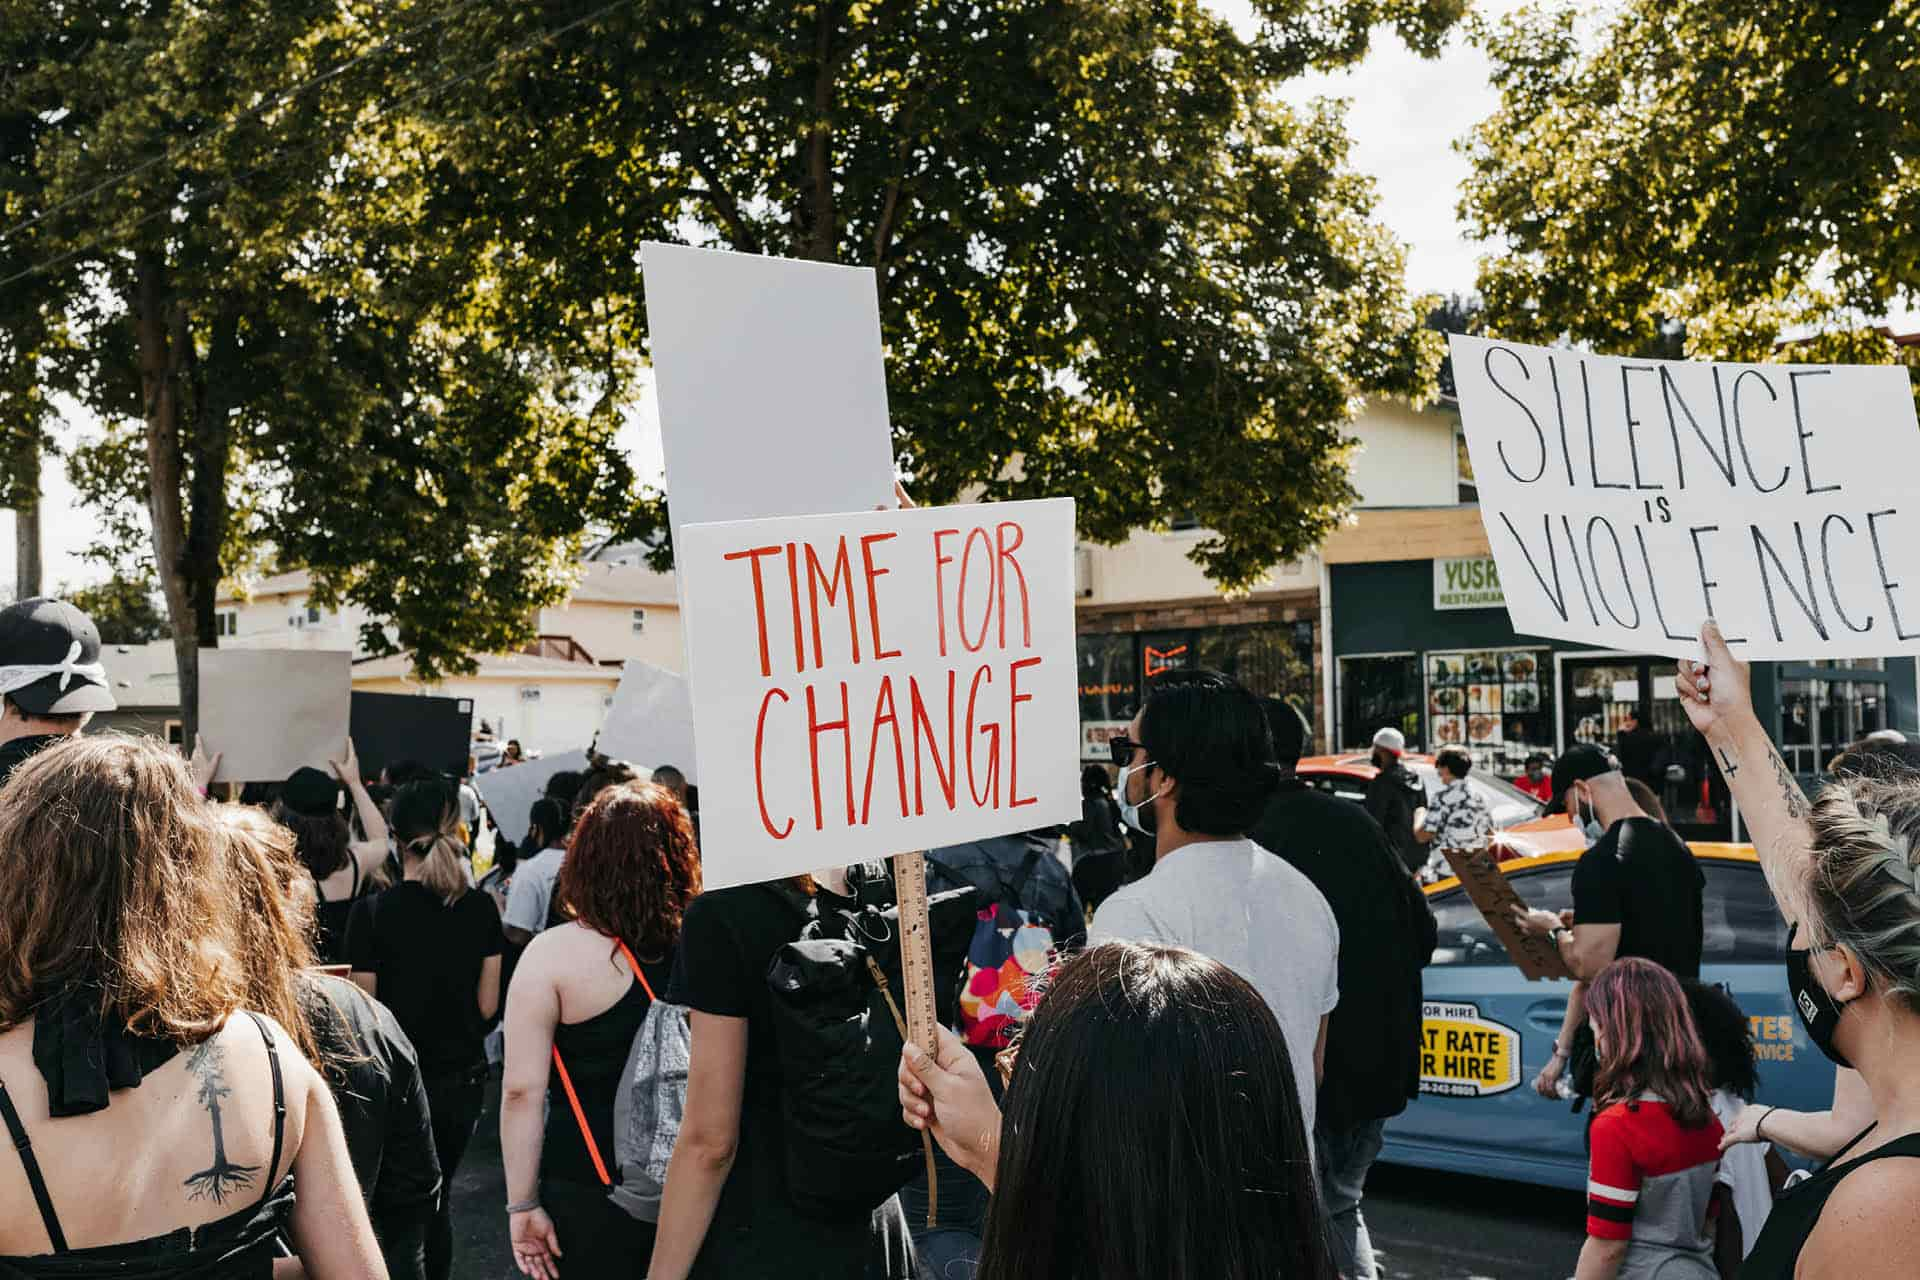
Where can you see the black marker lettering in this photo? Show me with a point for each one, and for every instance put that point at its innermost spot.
(1556, 595)
(1626, 583)
(1800, 427)
(1633, 441)
(1560, 409)
(1593, 456)
(1826, 562)
(1540, 437)
(1809, 603)
(1707, 584)
(1740, 429)
(1880, 562)
(1670, 391)
(1573, 549)
(1653, 585)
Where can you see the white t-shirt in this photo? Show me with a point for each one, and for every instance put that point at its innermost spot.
(1237, 903)
(531, 892)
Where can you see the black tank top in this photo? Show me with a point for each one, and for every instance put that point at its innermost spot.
(330, 918)
(595, 1053)
(241, 1246)
(1795, 1214)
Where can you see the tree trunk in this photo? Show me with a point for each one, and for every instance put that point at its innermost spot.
(26, 528)
(158, 327)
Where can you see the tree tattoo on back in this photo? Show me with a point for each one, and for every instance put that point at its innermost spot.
(223, 1177)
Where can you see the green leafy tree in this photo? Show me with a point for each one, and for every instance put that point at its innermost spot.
(1701, 173)
(1112, 263)
(123, 608)
(222, 236)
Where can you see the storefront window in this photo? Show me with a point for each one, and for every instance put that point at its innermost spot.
(1819, 718)
(1273, 659)
(1498, 703)
(1109, 690)
(1378, 693)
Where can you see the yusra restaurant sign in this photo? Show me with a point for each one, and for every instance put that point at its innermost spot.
(1467, 582)
(1628, 500)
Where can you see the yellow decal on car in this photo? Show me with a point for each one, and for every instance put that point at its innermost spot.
(1463, 1055)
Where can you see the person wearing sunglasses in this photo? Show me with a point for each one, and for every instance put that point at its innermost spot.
(1843, 872)
(1198, 772)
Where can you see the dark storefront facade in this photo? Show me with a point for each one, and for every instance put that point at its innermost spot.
(1407, 652)
(1269, 645)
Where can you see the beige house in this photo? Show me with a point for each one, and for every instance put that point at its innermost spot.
(552, 696)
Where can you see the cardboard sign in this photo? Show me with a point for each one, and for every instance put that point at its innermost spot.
(651, 720)
(387, 727)
(773, 401)
(1629, 500)
(880, 682)
(509, 793)
(271, 711)
(1496, 898)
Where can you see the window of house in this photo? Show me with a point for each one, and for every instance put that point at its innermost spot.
(1820, 715)
(1468, 491)
(227, 622)
(529, 693)
(639, 621)
(313, 615)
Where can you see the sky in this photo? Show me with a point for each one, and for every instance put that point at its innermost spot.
(1405, 114)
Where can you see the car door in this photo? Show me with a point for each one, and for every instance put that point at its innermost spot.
(1743, 937)
(1488, 1032)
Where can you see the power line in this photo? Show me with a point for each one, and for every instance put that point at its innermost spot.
(192, 144)
(380, 111)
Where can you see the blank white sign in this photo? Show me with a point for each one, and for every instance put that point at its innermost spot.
(651, 720)
(773, 400)
(271, 711)
(509, 793)
(882, 681)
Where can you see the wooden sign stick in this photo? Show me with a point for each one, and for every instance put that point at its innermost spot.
(916, 970)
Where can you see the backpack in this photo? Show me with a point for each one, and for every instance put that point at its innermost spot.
(647, 1109)
(839, 1017)
(1010, 950)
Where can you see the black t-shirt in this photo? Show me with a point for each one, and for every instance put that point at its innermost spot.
(1642, 877)
(1387, 935)
(17, 751)
(1392, 796)
(727, 942)
(427, 958)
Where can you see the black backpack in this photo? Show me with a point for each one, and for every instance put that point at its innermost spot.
(838, 1007)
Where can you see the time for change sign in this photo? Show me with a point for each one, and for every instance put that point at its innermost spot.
(1627, 501)
(1463, 1055)
(881, 681)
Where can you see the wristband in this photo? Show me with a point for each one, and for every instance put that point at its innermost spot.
(523, 1206)
(1761, 1121)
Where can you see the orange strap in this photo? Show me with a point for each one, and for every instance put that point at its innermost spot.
(573, 1099)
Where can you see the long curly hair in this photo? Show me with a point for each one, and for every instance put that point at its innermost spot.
(1650, 1042)
(113, 877)
(275, 920)
(632, 867)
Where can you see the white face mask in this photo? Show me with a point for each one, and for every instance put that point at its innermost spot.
(1589, 824)
(1129, 812)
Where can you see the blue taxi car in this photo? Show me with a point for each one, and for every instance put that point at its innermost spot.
(1489, 1031)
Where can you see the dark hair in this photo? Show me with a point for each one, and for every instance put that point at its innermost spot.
(1455, 761)
(1207, 732)
(322, 840)
(1290, 730)
(632, 867)
(547, 815)
(601, 773)
(1094, 781)
(1152, 1131)
(401, 772)
(669, 775)
(67, 722)
(1539, 758)
(425, 821)
(1727, 1035)
(564, 786)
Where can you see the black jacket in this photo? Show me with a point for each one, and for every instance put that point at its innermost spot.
(1387, 935)
(1392, 796)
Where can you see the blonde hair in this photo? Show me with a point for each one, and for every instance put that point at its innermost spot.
(425, 819)
(275, 919)
(113, 876)
(443, 863)
(1866, 878)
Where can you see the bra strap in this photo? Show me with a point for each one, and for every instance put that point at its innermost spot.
(279, 1106)
(24, 1147)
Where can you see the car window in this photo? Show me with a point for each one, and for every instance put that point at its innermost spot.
(1739, 922)
(1345, 786)
(1508, 805)
(1466, 938)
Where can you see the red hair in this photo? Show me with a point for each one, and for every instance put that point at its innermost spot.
(632, 867)
(1652, 1044)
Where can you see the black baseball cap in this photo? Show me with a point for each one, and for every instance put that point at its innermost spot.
(43, 632)
(309, 792)
(1577, 765)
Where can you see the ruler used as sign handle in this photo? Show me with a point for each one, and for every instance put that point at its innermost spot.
(916, 971)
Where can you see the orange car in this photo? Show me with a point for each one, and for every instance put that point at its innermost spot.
(1520, 830)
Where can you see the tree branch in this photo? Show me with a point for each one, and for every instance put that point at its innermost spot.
(822, 233)
(725, 205)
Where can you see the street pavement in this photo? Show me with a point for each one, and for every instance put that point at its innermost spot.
(1426, 1226)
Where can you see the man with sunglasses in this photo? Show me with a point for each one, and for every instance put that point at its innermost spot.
(1197, 769)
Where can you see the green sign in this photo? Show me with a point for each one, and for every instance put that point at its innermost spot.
(1467, 582)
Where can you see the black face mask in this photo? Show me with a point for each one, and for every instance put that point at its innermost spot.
(1819, 1012)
